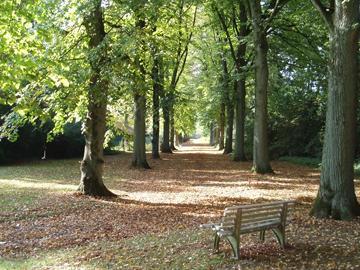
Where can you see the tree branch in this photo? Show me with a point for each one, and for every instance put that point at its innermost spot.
(276, 7)
(325, 12)
(224, 26)
(186, 49)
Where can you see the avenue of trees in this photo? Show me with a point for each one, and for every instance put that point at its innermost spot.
(264, 78)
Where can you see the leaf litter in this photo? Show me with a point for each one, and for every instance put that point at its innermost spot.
(182, 191)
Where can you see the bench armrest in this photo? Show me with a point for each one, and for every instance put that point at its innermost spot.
(209, 225)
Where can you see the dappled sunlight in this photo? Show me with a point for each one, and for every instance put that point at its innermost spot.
(193, 147)
(182, 190)
(33, 184)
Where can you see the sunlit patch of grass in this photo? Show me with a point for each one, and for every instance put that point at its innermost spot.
(59, 171)
(31, 184)
(22, 185)
(15, 199)
(59, 259)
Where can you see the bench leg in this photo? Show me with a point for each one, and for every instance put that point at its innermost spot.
(235, 246)
(262, 236)
(216, 243)
(280, 236)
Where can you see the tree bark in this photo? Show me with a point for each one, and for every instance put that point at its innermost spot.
(92, 165)
(177, 139)
(222, 126)
(165, 145)
(336, 197)
(139, 158)
(240, 94)
(239, 147)
(229, 128)
(212, 137)
(172, 127)
(261, 161)
(157, 89)
(229, 108)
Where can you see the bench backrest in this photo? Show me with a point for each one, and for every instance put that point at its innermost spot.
(248, 218)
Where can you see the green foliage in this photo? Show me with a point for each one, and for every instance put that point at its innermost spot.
(305, 161)
(45, 70)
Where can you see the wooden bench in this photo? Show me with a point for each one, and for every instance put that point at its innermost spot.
(244, 219)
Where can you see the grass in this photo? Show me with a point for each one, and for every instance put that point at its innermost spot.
(15, 199)
(305, 161)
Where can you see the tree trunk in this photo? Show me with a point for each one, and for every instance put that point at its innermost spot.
(157, 88)
(229, 129)
(177, 139)
(92, 165)
(139, 159)
(336, 196)
(172, 128)
(165, 146)
(212, 137)
(261, 161)
(240, 91)
(229, 108)
(222, 126)
(216, 135)
(239, 147)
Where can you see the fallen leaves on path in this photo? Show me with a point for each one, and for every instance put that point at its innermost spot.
(180, 192)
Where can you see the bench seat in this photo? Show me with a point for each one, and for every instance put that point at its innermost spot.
(242, 219)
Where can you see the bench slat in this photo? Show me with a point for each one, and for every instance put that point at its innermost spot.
(249, 210)
(261, 205)
(250, 215)
(260, 219)
(259, 226)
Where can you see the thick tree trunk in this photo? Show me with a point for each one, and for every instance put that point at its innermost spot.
(239, 147)
(261, 161)
(165, 145)
(240, 91)
(139, 158)
(92, 165)
(222, 126)
(157, 88)
(336, 196)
